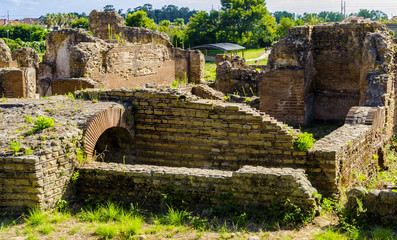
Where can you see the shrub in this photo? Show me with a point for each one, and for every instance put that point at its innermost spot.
(15, 146)
(305, 141)
(43, 123)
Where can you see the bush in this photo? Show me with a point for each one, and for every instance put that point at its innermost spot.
(304, 142)
(43, 123)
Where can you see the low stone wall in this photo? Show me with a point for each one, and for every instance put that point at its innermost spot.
(351, 152)
(380, 205)
(247, 188)
(41, 175)
(62, 86)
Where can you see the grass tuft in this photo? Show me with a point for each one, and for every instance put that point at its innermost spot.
(36, 217)
(106, 230)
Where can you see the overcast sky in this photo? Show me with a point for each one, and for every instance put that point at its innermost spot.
(35, 8)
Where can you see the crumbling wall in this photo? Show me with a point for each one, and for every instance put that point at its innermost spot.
(16, 83)
(5, 55)
(234, 76)
(380, 205)
(138, 56)
(189, 65)
(253, 187)
(336, 64)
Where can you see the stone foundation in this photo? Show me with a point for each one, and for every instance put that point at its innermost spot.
(246, 188)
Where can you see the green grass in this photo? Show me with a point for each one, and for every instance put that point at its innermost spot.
(175, 217)
(330, 234)
(36, 217)
(210, 67)
(210, 71)
(106, 230)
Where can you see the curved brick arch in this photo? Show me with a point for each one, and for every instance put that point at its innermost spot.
(96, 126)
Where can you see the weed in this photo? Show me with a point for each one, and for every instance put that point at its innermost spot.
(36, 217)
(74, 230)
(175, 217)
(15, 146)
(28, 151)
(80, 156)
(61, 205)
(43, 122)
(46, 228)
(107, 230)
(330, 234)
(174, 84)
(304, 142)
(382, 234)
(28, 118)
(247, 100)
(110, 211)
(131, 224)
(75, 176)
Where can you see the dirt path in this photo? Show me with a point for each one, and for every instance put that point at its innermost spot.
(263, 56)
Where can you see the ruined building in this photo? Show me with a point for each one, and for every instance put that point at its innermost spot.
(18, 72)
(115, 56)
(146, 139)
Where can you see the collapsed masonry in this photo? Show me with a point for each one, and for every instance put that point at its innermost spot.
(18, 72)
(115, 56)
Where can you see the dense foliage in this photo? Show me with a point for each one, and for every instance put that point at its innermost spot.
(24, 32)
(40, 47)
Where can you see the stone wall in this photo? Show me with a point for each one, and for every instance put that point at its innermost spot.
(351, 150)
(15, 83)
(69, 85)
(336, 64)
(234, 76)
(246, 188)
(5, 55)
(380, 205)
(138, 56)
(40, 176)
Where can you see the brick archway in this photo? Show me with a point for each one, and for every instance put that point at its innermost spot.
(96, 126)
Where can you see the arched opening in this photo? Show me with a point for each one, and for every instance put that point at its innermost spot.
(115, 145)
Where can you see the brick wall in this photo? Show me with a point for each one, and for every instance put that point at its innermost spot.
(282, 95)
(62, 86)
(16, 83)
(253, 187)
(12, 83)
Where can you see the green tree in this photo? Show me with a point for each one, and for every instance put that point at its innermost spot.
(140, 19)
(265, 33)
(80, 23)
(239, 18)
(283, 14)
(331, 16)
(109, 8)
(202, 28)
(284, 26)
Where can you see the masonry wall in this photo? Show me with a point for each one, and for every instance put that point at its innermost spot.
(282, 95)
(16, 83)
(63, 86)
(30, 181)
(342, 65)
(234, 76)
(247, 188)
(380, 205)
(351, 152)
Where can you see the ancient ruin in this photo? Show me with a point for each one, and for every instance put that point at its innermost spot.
(115, 56)
(137, 142)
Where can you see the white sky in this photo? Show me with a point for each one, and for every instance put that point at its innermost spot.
(35, 8)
